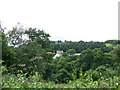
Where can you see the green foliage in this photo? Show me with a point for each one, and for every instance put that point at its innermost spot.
(8, 54)
(29, 63)
(39, 35)
(116, 54)
(20, 81)
(109, 45)
(15, 37)
(79, 46)
(71, 52)
(91, 59)
(115, 42)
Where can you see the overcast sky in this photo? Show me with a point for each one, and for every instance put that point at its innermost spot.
(75, 20)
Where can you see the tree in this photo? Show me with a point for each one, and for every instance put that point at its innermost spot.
(7, 52)
(115, 42)
(86, 58)
(33, 55)
(116, 54)
(39, 35)
(91, 59)
(15, 36)
(71, 52)
(99, 58)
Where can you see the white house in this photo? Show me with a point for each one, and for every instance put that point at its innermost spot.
(58, 54)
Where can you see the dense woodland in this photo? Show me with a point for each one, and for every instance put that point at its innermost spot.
(27, 61)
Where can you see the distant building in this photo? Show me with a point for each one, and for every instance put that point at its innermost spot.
(77, 54)
(58, 54)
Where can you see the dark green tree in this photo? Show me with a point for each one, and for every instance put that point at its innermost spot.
(71, 52)
(116, 54)
(39, 35)
(7, 52)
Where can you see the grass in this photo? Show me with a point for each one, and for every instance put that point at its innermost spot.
(109, 45)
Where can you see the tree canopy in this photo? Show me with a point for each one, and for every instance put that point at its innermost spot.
(27, 58)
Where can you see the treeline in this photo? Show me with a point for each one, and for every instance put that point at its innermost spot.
(115, 42)
(27, 61)
(81, 45)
